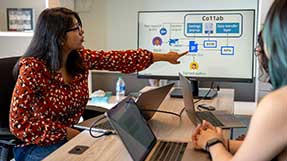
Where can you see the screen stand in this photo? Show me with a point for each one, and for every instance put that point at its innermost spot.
(197, 93)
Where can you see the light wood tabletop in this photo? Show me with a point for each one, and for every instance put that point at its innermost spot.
(165, 126)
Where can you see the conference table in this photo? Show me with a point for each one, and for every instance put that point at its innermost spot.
(165, 127)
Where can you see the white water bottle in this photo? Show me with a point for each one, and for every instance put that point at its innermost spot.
(120, 88)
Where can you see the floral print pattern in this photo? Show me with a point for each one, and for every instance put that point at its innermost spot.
(43, 105)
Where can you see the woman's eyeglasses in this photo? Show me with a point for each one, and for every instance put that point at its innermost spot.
(263, 60)
(260, 46)
(78, 27)
(259, 51)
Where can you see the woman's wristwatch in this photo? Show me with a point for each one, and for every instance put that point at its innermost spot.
(212, 142)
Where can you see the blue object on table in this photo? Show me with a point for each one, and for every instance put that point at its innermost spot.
(104, 99)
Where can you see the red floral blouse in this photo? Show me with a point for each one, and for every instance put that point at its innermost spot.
(43, 105)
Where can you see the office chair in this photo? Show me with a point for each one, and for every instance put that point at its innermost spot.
(7, 83)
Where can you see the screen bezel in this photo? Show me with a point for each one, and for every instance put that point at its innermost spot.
(217, 79)
(129, 100)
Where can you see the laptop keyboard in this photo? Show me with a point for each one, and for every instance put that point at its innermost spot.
(104, 125)
(169, 151)
(208, 116)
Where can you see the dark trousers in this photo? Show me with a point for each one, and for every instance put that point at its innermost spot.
(35, 152)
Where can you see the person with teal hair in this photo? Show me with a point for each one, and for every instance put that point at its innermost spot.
(275, 38)
(266, 138)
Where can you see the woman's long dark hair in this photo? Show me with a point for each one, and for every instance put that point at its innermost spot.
(49, 35)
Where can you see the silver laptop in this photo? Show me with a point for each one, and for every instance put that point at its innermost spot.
(148, 103)
(138, 137)
(218, 118)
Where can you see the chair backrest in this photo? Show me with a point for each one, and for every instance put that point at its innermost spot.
(7, 83)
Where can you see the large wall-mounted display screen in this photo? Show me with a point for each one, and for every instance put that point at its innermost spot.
(220, 43)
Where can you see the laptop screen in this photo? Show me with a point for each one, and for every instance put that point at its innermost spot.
(188, 99)
(186, 93)
(132, 128)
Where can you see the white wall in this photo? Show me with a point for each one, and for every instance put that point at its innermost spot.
(63, 3)
(112, 24)
(265, 5)
(16, 45)
(37, 5)
(13, 46)
(93, 14)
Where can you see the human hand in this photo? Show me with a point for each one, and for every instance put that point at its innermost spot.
(194, 137)
(172, 57)
(71, 133)
(203, 127)
(208, 125)
(205, 135)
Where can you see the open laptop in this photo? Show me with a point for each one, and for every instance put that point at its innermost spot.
(138, 137)
(148, 103)
(217, 118)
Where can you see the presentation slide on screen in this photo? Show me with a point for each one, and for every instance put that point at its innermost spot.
(220, 43)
